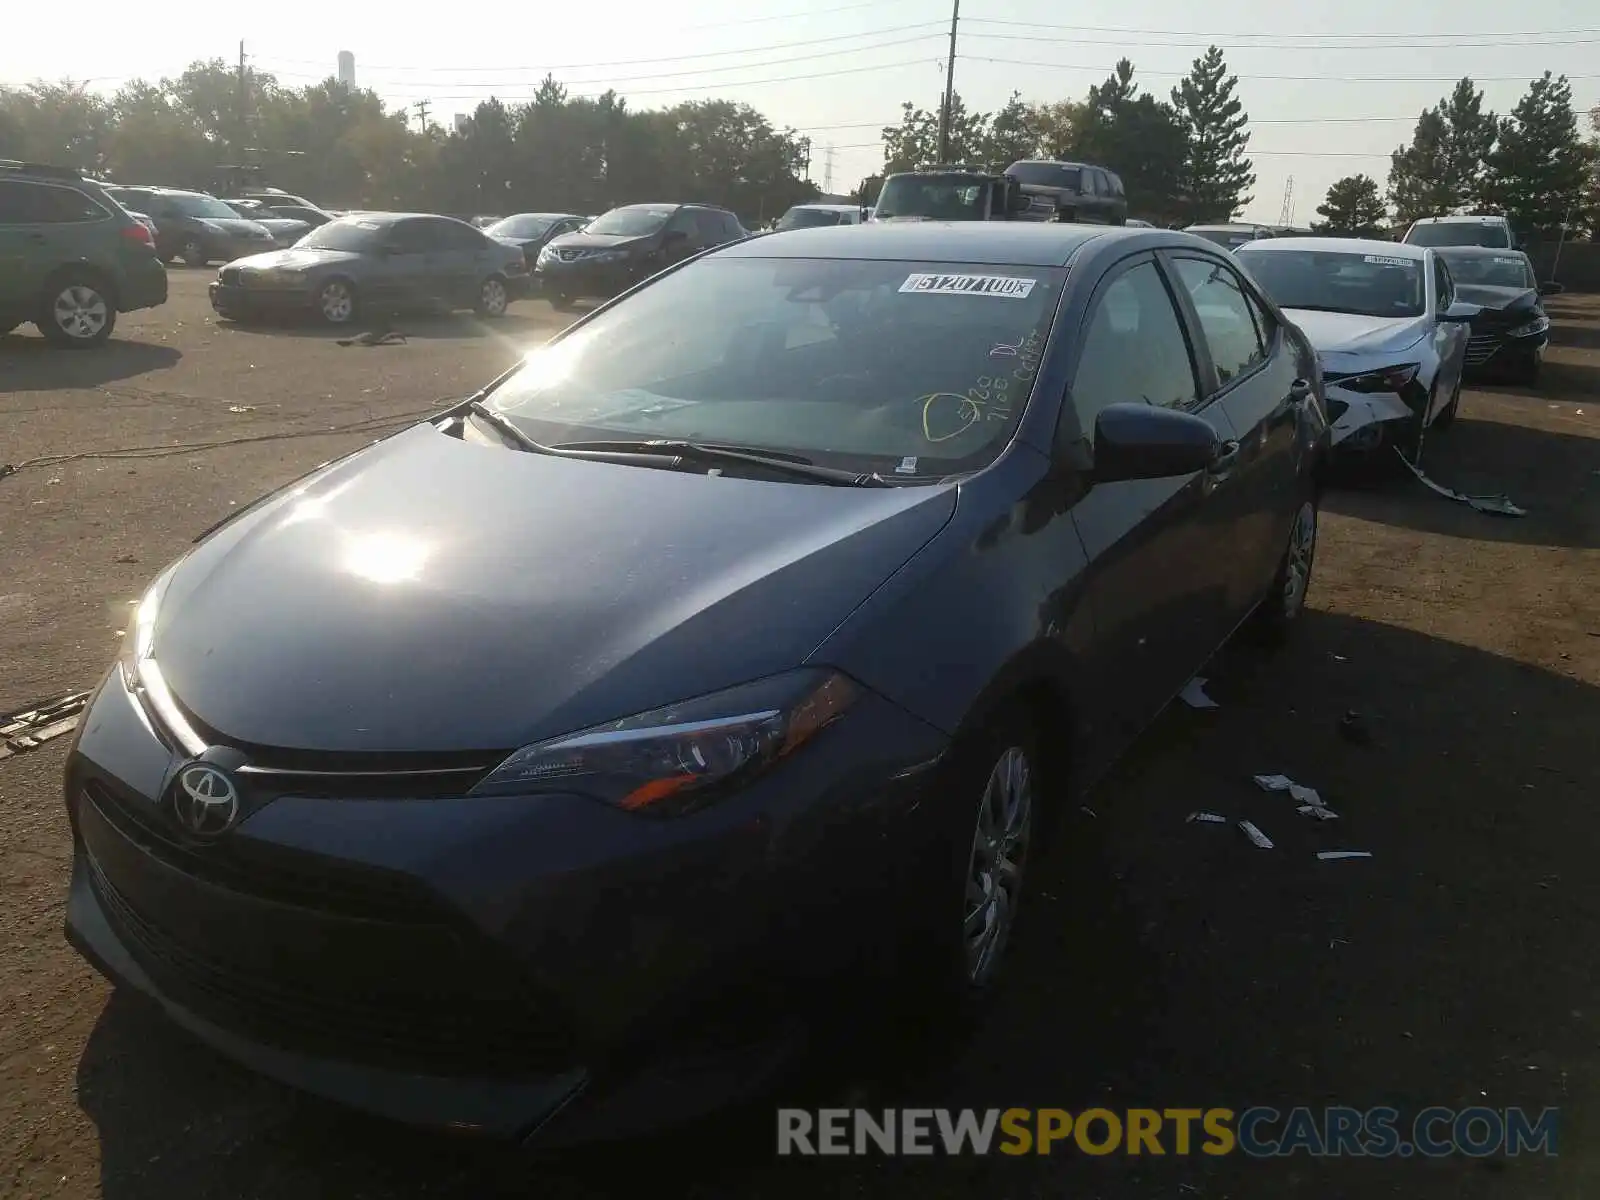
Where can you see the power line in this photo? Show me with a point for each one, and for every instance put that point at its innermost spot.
(1027, 62)
(1433, 38)
(929, 27)
(1320, 48)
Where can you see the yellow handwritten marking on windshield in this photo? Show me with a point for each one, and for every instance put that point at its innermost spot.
(969, 410)
(987, 399)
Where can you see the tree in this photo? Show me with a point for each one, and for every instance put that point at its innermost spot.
(1216, 177)
(1012, 134)
(914, 143)
(1056, 127)
(1442, 170)
(1354, 208)
(1539, 172)
(1138, 137)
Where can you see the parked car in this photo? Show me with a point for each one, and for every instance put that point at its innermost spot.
(1071, 191)
(505, 773)
(1494, 232)
(1508, 334)
(378, 261)
(71, 258)
(807, 216)
(277, 198)
(146, 220)
(285, 231)
(313, 217)
(1386, 324)
(617, 250)
(533, 231)
(1232, 234)
(949, 194)
(193, 226)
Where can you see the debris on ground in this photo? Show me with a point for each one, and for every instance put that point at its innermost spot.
(1255, 835)
(1329, 855)
(1499, 505)
(1309, 802)
(1206, 818)
(375, 337)
(241, 408)
(1194, 694)
(39, 723)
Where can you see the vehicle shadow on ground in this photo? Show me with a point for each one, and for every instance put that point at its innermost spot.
(1551, 475)
(31, 364)
(533, 328)
(1160, 964)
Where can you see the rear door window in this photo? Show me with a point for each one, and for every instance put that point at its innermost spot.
(1044, 174)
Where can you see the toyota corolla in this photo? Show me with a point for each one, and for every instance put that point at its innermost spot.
(533, 769)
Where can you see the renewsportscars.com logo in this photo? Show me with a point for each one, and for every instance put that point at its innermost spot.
(1259, 1132)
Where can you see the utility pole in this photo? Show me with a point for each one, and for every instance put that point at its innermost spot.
(422, 114)
(1286, 213)
(949, 87)
(827, 171)
(244, 102)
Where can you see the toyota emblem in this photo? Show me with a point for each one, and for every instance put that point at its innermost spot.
(205, 801)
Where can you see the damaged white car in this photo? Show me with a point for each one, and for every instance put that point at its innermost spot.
(1386, 326)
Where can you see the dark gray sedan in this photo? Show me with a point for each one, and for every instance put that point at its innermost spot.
(379, 261)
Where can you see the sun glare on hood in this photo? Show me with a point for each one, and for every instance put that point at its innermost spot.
(385, 558)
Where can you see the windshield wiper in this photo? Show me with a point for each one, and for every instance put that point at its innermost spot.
(507, 427)
(786, 464)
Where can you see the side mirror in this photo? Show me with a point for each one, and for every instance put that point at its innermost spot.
(1551, 288)
(1141, 441)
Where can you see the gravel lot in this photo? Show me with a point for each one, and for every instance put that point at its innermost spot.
(1452, 968)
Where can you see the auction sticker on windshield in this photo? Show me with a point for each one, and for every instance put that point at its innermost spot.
(1381, 261)
(1008, 286)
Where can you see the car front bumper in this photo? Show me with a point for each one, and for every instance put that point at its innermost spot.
(488, 963)
(585, 279)
(232, 300)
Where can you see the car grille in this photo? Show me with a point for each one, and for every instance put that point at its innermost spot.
(231, 277)
(419, 995)
(1485, 336)
(569, 255)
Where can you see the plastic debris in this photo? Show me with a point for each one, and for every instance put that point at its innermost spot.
(1194, 694)
(241, 408)
(1255, 835)
(1309, 803)
(1206, 818)
(1330, 855)
(1499, 505)
(1317, 811)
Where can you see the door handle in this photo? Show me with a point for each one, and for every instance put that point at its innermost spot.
(1227, 457)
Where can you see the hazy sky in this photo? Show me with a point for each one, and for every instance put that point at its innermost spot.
(1331, 88)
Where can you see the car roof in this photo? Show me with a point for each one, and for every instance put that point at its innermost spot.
(1478, 218)
(552, 216)
(1050, 162)
(1336, 245)
(993, 243)
(1230, 225)
(829, 207)
(1477, 252)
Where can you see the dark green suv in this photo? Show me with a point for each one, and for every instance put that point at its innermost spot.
(71, 258)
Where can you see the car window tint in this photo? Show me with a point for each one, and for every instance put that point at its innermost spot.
(454, 236)
(683, 221)
(17, 203)
(1135, 349)
(1225, 317)
(709, 226)
(411, 237)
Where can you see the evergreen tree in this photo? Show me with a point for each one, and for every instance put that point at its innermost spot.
(1442, 170)
(1353, 208)
(1539, 173)
(1216, 176)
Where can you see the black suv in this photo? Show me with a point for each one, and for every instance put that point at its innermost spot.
(71, 258)
(1069, 191)
(617, 250)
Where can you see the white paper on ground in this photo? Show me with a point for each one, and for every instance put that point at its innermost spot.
(1299, 793)
(1194, 694)
(1208, 818)
(1255, 835)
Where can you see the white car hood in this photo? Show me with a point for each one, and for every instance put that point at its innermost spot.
(1357, 333)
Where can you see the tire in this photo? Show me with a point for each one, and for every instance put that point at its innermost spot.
(493, 299)
(77, 310)
(995, 789)
(194, 253)
(1447, 417)
(336, 301)
(562, 302)
(1280, 612)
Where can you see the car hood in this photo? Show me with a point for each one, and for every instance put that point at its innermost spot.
(283, 224)
(433, 594)
(238, 226)
(295, 258)
(1487, 296)
(1356, 333)
(599, 241)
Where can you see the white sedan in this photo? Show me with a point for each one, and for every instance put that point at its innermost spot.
(1386, 326)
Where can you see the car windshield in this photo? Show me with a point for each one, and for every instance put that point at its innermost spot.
(524, 227)
(1040, 174)
(1373, 285)
(348, 233)
(937, 197)
(908, 368)
(1459, 233)
(205, 207)
(1491, 270)
(806, 218)
(630, 222)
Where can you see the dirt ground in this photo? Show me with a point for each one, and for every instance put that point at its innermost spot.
(1453, 968)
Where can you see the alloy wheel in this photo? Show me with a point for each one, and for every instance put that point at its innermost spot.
(337, 302)
(995, 866)
(80, 312)
(492, 299)
(1297, 562)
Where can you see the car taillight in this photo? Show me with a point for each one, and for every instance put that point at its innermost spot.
(138, 233)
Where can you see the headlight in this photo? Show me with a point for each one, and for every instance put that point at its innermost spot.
(680, 758)
(1388, 379)
(547, 254)
(290, 275)
(1536, 326)
(139, 642)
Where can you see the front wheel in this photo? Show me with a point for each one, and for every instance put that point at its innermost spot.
(336, 302)
(492, 297)
(1284, 604)
(194, 253)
